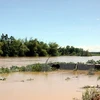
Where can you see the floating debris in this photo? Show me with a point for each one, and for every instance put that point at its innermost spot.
(2, 79)
(67, 78)
(30, 79)
(22, 81)
(75, 99)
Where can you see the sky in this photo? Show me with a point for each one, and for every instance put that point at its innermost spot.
(66, 22)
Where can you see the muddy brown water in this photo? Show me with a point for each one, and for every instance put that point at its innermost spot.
(45, 85)
(23, 61)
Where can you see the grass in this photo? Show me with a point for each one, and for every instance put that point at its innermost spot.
(91, 94)
(88, 86)
(29, 68)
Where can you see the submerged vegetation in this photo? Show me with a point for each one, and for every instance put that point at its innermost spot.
(9, 46)
(93, 62)
(91, 66)
(88, 86)
(91, 94)
(29, 68)
(41, 67)
(98, 78)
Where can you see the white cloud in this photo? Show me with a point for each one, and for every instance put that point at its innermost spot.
(95, 48)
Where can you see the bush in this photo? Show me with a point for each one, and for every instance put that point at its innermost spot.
(91, 94)
(4, 70)
(98, 62)
(23, 69)
(37, 67)
(91, 62)
(14, 69)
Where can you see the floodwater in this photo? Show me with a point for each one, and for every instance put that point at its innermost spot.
(45, 85)
(23, 61)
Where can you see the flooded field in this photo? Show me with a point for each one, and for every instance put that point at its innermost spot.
(45, 85)
(23, 61)
(55, 85)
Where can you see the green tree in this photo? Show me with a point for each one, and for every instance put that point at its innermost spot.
(67, 50)
(33, 47)
(62, 51)
(23, 50)
(42, 49)
(1, 52)
(53, 49)
(14, 48)
(5, 47)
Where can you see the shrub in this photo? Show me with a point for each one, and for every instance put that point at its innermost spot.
(91, 94)
(4, 70)
(14, 69)
(37, 67)
(23, 69)
(46, 67)
(98, 62)
(91, 62)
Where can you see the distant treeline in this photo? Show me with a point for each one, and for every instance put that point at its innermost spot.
(9, 46)
(95, 53)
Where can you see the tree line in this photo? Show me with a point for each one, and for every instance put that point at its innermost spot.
(9, 46)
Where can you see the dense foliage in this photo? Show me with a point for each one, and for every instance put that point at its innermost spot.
(9, 46)
(95, 53)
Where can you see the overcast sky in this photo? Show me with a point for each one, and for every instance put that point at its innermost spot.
(66, 22)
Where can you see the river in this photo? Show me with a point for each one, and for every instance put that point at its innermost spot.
(23, 61)
(45, 86)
